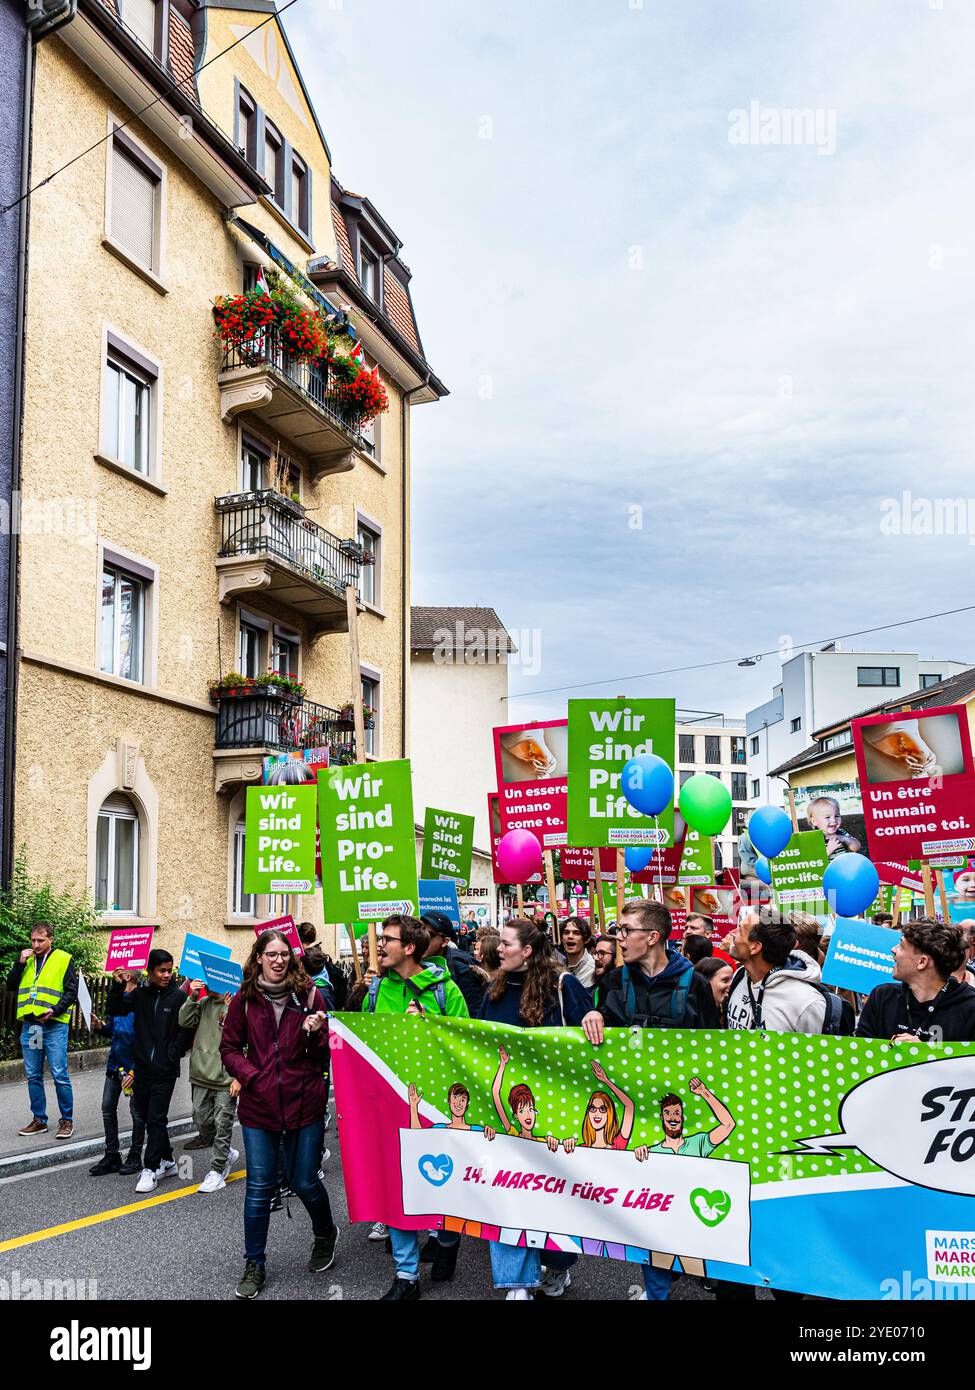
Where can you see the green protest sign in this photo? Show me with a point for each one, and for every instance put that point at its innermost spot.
(365, 817)
(697, 860)
(279, 840)
(797, 873)
(603, 736)
(448, 844)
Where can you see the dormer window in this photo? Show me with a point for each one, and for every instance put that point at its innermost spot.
(369, 274)
(143, 19)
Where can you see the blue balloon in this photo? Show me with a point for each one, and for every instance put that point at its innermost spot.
(637, 858)
(770, 830)
(648, 784)
(762, 870)
(850, 884)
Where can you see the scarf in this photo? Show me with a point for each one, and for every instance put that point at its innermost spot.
(277, 996)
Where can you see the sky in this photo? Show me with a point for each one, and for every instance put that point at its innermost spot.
(704, 362)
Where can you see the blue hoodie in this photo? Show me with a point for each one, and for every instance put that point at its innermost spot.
(121, 1030)
(677, 997)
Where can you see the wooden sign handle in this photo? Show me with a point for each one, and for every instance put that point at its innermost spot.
(620, 882)
(928, 884)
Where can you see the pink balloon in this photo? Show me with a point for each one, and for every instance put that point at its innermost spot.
(519, 856)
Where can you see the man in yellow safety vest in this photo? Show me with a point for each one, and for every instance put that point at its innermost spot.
(46, 981)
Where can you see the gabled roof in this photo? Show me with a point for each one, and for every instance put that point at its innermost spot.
(458, 629)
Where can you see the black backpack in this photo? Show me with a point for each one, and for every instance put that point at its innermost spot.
(338, 981)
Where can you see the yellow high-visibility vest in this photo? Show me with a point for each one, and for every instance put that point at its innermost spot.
(37, 993)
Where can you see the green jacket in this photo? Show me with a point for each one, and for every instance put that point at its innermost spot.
(396, 995)
(206, 1017)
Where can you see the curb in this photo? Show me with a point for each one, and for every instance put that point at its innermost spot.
(15, 1164)
(88, 1060)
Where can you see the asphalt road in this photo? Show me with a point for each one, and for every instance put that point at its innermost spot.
(177, 1244)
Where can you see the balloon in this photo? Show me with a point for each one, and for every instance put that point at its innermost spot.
(705, 803)
(850, 884)
(519, 856)
(647, 783)
(762, 870)
(770, 830)
(638, 858)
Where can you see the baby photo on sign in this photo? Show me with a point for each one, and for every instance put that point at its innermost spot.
(834, 808)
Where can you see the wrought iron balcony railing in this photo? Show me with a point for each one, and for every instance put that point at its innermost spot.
(267, 524)
(266, 718)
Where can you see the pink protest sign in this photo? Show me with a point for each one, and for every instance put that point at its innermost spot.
(286, 926)
(532, 762)
(129, 948)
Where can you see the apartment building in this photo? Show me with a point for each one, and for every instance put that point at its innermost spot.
(715, 745)
(233, 553)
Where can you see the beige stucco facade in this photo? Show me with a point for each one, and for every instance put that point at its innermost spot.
(81, 732)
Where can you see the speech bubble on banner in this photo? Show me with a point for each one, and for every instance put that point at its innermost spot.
(916, 1122)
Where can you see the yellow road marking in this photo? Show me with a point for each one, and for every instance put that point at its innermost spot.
(99, 1216)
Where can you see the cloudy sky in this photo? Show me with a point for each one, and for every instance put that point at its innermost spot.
(687, 367)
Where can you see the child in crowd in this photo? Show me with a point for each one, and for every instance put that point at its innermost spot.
(214, 1106)
(119, 1076)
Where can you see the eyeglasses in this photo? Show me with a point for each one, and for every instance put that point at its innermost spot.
(276, 955)
(624, 932)
(385, 940)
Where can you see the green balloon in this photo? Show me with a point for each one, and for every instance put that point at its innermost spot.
(705, 803)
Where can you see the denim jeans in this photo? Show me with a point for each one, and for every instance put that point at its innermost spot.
(515, 1266)
(406, 1253)
(656, 1283)
(111, 1094)
(50, 1040)
(302, 1152)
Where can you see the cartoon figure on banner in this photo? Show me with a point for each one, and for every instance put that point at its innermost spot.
(458, 1099)
(601, 1129)
(521, 1103)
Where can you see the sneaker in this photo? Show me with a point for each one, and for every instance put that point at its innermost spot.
(167, 1169)
(323, 1252)
(65, 1129)
(147, 1181)
(379, 1231)
(444, 1262)
(554, 1283)
(35, 1127)
(212, 1182)
(276, 1202)
(232, 1158)
(132, 1165)
(328, 1118)
(403, 1290)
(517, 1296)
(198, 1143)
(108, 1163)
(253, 1281)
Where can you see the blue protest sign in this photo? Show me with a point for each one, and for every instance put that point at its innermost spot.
(222, 976)
(859, 955)
(440, 895)
(189, 962)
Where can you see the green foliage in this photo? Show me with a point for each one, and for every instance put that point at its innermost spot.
(71, 913)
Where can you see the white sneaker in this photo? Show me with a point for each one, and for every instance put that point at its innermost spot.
(517, 1296)
(212, 1182)
(379, 1231)
(328, 1118)
(232, 1158)
(147, 1181)
(554, 1283)
(166, 1169)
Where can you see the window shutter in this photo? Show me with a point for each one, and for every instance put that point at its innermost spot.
(139, 17)
(133, 207)
(118, 802)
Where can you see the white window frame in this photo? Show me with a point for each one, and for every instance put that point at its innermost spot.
(286, 634)
(238, 896)
(135, 149)
(373, 432)
(112, 817)
(246, 617)
(371, 673)
(112, 556)
(118, 347)
(364, 521)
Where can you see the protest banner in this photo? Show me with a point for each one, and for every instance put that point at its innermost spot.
(918, 781)
(664, 867)
(531, 761)
(190, 966)
(365, 813)
(696, 860)
(859, 955)
(797, 873)
(129, 948)
(899, 873)
(439, 895)
(279, 839)
(221, 975)
(603, 736)
(293, 769)
(869, 1164)
(576, 863)
(448, 845)
(287, 927)
(720, 904)
(494, 820)
(84, 1000)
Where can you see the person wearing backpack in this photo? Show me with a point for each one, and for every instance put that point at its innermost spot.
(409, 985)
(778, 988)
(444, 951)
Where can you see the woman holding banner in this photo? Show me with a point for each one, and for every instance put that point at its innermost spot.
(529, 991)
(275, 1047)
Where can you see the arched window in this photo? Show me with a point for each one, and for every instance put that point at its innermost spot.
(117, 857)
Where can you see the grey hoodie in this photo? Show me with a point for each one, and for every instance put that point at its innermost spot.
(785, 1001)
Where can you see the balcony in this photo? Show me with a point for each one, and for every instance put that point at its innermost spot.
(254, 724)
(269, 545)
(292, 399)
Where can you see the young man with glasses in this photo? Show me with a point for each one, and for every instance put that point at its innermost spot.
(409, 987)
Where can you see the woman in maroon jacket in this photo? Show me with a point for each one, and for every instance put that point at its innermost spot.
(275, 1046)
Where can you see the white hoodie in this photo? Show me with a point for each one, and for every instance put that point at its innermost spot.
(785, 1001)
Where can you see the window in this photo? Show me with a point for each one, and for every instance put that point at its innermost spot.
(123, 624)
(244, 904)
(136, 193)
(756, 788)
(143, 19)
(250, 650)
(117, 857)
(286, 652)
(127, 414)
(300, 201)
(795, 726)
(755, 747)
(929, 678)
(685, 752)
(251, 272)
(739, 820)
(370, 702)
(683, 776)
(712, 748)
(738, 750)
(369, 274)
(370, 587)
(839, 740)
(878, 675)
(253, 467)
(739, 786)
(274, 162)
(372, 432)
(247, 125)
